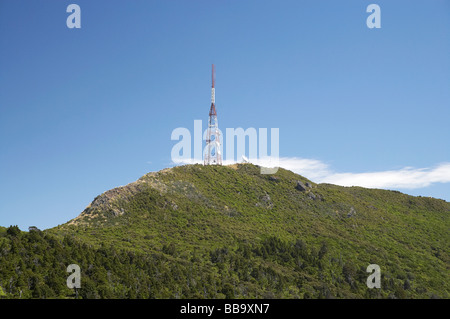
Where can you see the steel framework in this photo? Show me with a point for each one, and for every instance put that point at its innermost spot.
(213, 154)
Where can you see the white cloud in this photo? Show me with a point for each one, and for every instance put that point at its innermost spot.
(310, 168)
(320, 172)
(406, 178)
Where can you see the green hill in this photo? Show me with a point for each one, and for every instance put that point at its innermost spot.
(230, 232)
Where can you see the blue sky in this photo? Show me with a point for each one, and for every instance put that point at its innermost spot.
(85, 110)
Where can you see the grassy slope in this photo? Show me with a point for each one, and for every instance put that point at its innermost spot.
(197, 208)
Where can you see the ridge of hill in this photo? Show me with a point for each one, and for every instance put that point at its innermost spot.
(199, 231)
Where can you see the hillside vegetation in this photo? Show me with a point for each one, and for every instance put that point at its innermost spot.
(199, 231)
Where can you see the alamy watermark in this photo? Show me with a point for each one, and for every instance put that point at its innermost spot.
(74, 280)
(374, 19)
(257, 146)
(73, 21)
(374, 280)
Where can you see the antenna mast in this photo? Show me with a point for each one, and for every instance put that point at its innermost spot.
(212, 152)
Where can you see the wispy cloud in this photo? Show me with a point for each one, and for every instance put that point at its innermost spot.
(320, 172)
(406, 178)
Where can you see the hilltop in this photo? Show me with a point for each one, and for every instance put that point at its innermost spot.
(199, 231)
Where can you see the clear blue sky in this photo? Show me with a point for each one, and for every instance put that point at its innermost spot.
(85, 110)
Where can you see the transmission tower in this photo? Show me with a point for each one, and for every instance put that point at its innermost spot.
(212, 150)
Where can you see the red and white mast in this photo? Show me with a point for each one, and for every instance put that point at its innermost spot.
(212, 151)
